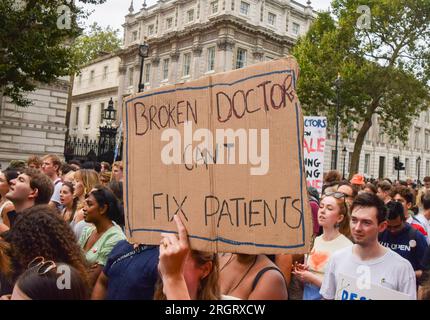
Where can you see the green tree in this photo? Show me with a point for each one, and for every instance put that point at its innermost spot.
(33, 43)
(93, 43)
(384, 67)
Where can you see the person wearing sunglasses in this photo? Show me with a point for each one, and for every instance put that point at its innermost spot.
(349, 190)
(333, 217)
(46, 280)
(102, 209)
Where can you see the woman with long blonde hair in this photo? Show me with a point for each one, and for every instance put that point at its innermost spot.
(84, 181)
(333, 217)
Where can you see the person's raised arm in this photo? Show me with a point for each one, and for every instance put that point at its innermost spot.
(173, 252)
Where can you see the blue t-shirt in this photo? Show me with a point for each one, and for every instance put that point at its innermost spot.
(131, 276)
(412, 249)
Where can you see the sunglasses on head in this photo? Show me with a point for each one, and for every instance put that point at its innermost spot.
(336, 194)
(43, 266)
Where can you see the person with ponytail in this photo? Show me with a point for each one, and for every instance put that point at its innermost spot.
(333, 217)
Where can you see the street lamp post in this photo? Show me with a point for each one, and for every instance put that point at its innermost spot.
(143, 53)
(419, 169)
(337, 83)
(107, 134)
(344, 151)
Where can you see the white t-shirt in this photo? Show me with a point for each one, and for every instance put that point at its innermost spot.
(56, 195)
(425, 223)
(390, 271)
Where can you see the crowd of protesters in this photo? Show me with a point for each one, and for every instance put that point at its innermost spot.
(59, 219)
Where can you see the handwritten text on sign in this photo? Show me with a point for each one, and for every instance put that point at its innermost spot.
(313, 146)
(202, 150)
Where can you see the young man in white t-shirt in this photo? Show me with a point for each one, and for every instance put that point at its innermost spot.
(367, 257)
(51, 166)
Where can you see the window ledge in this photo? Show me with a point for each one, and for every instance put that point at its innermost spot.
(210, 72)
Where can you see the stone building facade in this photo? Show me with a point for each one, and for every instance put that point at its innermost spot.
(378, 152)
(191, 38)
(96, 84)
(38, 129)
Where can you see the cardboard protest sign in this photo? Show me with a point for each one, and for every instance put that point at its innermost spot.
(349, 288)
(225, 152)
(313, 147)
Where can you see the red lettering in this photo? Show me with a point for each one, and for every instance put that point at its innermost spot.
(320, 144)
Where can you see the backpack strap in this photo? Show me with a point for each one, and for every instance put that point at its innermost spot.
(260, 274)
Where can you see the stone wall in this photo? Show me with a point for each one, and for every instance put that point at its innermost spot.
(38, 129)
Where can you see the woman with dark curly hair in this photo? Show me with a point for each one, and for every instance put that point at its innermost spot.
(39, 231)
(103, 211)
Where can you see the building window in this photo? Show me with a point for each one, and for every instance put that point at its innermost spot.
(150, 30)
(296, 28)
(165, 69)
(271, 18)
(241, 58)
(407, 167)
(381, 173)
(169, 23)
(88, 114)
(147, 72)
(130, 76)
(187, 64)
(244, 8)
(366, 163)
(214, 7)
(333, 156)
(105, 72)
(134, 36)
(426, 116)
(427, 133)
(92, 76)
(190, 15)
(417, 137)
(77, 116)
(80, 79)
(394, 161)
(102, 108)
(211, 58)
(427, 168)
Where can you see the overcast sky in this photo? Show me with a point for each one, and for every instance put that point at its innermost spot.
(112, 12)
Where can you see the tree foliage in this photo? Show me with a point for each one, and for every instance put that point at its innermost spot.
(96, 41)
(385, 70)
(34, 38)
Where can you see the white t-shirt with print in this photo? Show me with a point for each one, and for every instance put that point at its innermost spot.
(322, 250)
(390, 271)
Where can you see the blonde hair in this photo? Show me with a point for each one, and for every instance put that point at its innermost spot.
(344, 210)
(118, 164)
(208, 287)
(90, 179)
